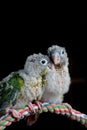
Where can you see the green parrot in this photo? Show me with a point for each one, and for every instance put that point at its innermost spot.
(24, 86)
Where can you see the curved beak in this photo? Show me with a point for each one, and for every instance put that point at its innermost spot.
(56, 58)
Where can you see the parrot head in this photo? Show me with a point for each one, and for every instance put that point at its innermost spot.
(58, 55)
(38, 63)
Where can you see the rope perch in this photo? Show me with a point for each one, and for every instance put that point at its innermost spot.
(51, 107)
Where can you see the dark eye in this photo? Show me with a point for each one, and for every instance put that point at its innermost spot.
(43, 61)
(62, 52)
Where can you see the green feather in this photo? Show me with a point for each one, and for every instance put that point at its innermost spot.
(9, 90)
(16, 81)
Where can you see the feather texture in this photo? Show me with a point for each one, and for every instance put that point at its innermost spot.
(26, 85)
(58, 79)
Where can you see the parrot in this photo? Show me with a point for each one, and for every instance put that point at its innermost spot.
(58, 79)
(24, 86)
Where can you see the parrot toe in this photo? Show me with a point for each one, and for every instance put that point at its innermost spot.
(38, 103)
(68, 106)
(15, 113)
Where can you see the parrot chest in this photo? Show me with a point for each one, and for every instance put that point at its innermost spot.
(63, 80)
(32, 89)
(62, 77)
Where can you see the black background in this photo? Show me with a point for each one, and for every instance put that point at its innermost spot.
(14, 51)
(24, 33)
(83, 12)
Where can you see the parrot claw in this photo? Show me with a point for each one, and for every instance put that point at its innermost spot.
(39, 104)
(30, 105)
(68, 106)
(15, 113)
(33, 118)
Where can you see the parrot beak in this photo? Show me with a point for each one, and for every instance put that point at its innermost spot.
(56, 58)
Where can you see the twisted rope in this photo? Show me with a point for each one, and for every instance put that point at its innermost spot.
(46, 107)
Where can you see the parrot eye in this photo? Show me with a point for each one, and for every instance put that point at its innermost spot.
(43, 61)
(62, 52)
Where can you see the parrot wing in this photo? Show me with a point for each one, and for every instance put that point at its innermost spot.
(10, 87)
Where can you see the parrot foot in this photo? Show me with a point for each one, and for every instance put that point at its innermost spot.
(15, 113)
(39, 104)
(30, 105)
(68, 106)
(33, 118)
